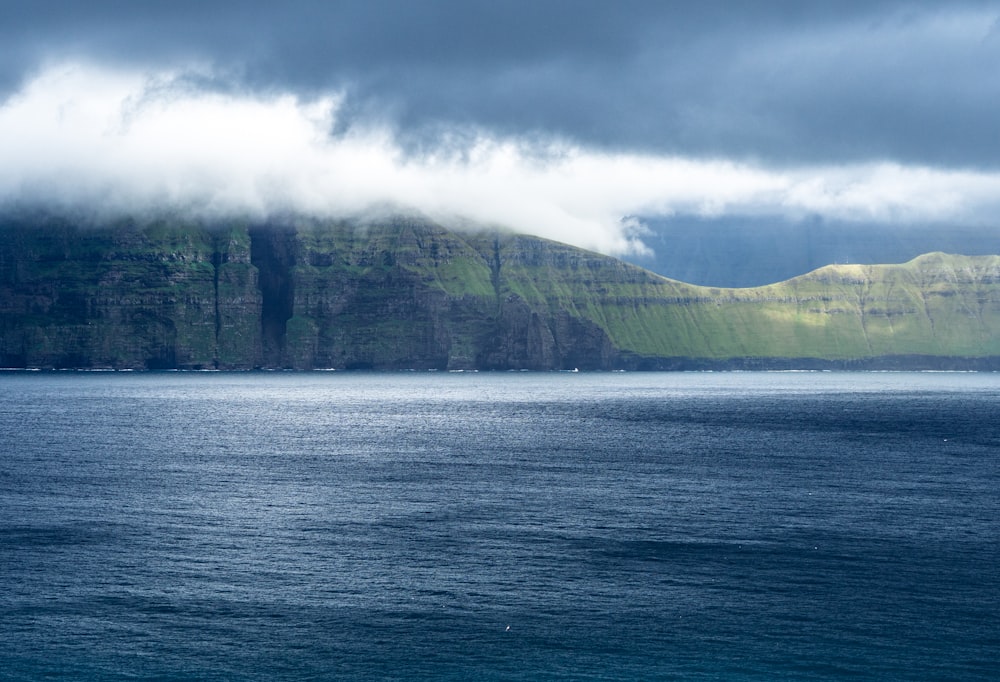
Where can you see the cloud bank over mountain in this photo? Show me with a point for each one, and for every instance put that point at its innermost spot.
(573, 121)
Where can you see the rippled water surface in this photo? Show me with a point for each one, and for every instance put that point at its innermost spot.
(499, 526)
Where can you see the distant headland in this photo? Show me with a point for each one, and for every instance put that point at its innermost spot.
(404, 293)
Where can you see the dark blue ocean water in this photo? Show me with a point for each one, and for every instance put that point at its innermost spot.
(499, 526)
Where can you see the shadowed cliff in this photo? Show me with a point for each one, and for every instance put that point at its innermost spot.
(406, 294)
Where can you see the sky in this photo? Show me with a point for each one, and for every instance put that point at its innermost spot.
(579, 121)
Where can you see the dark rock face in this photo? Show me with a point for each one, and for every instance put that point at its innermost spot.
(524, 338)
(272, 252)
(123, 297)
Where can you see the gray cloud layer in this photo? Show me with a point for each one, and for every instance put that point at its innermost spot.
(776, 83)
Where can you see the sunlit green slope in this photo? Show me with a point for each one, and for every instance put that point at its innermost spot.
(935, 305)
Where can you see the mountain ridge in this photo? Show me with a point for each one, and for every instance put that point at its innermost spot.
(407, 294)
(749, 252)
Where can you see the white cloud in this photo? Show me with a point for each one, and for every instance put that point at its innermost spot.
(79, 134)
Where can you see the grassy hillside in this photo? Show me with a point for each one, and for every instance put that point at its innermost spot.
(935, 305)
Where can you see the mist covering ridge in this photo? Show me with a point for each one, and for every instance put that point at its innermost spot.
(105, 139)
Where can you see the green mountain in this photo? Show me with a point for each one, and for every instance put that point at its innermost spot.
(407, 294)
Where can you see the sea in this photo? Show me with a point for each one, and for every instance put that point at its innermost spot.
(499, 526)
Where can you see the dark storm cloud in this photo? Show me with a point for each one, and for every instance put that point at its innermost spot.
(780, 82)
(584, 122)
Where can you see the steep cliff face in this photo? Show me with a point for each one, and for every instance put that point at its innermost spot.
(238, 299)
(273, 253)
(405, 294)
(412, 295)
(160, 296)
